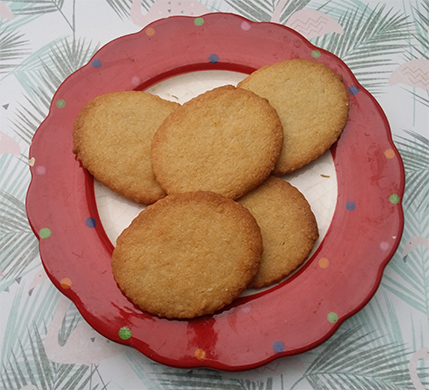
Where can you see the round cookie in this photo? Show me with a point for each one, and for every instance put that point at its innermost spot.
(226, 140)
(187, 255)
(288, 226)
(312, 103)
(112, 138)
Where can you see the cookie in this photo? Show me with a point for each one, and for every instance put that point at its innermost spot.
(226, 140)
(312, 103)
(112, 139)
(288, 226)
(187, 255)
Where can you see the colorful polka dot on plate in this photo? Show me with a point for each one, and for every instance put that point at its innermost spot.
(96, 63)
(200, 354)
(384, 245)
(136, 81)
(350, 205)
(333, 317)
(198, 21)
(394, 198)
(389, 153)
(91, 222)
(245, 26)
(213, 58)
(61, 103)
(354, 90)
(124, 333)
(278, 346)
(150, 31)
(40, 170)
(45, 232)
(323, 263)
(65, 283)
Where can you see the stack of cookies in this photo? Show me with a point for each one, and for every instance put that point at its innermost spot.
(220, 219)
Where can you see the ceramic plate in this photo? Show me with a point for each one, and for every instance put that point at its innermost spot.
(296, 315)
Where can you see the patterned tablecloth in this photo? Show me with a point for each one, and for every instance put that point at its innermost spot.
(45, 343)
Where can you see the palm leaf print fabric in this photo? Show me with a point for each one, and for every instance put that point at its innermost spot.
(45, 343)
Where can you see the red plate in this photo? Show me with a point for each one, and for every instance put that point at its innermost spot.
(298, 314)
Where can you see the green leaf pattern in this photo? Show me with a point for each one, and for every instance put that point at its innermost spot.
(381, 347)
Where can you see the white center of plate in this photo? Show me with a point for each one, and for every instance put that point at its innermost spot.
(317, 180)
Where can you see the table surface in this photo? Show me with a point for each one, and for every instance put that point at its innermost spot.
(385, 345)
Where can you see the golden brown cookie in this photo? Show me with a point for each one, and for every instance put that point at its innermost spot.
(226, 140)
(187, 255)
(288, 226)
(312, 103)
(112, 138)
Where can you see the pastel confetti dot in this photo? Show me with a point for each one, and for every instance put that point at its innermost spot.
(316, 53)
(354, 90)
(245, 309)
(213, 58)
(96, 63)
(150, 31)
(90, 222)
(136, 81)
(61, 103)
(199, 21)
(200, 354)
(323, 263)
(124, 333)
(44, 232)
(394, 198)
(278, 346)
(389, 153)
(384, 245)
(350, 206)
(40, 170)
(65, 283)
(245, 26)
(333, 317)
(31, 161)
